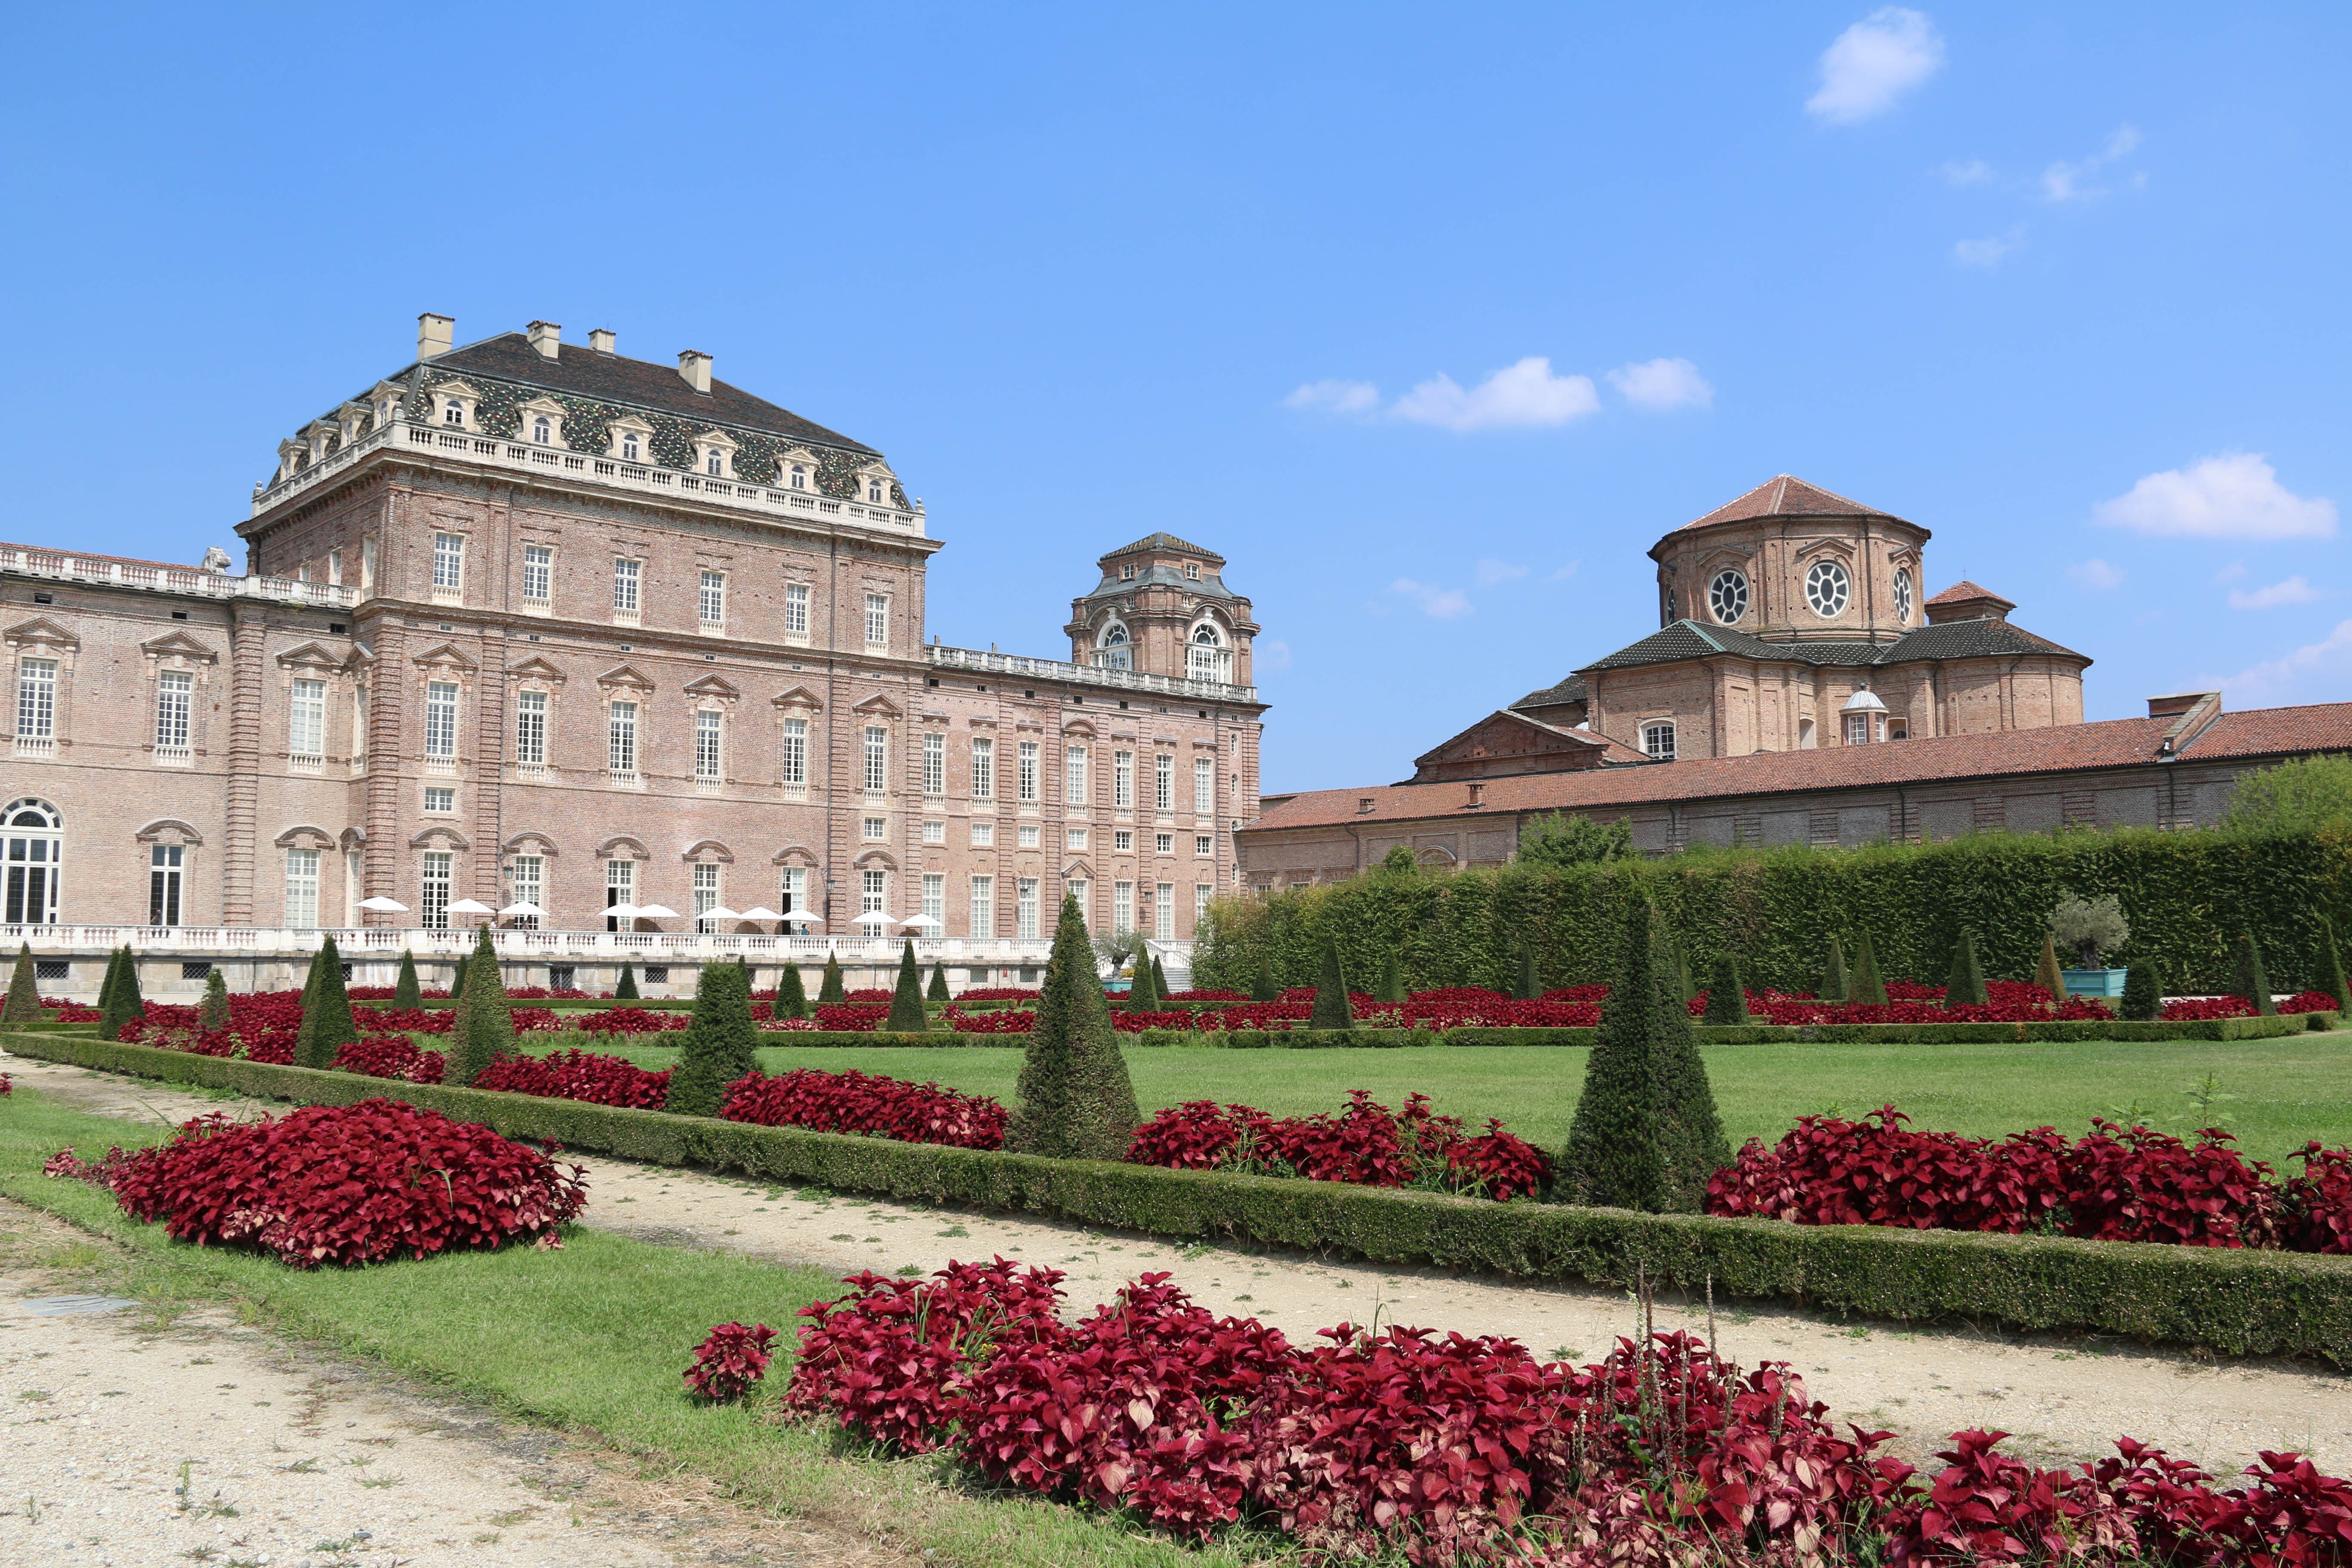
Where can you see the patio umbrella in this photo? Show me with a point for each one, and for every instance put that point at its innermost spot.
(625, 912)
(658, 912)
(470, 907)
(385, 906)
(533, 911)
(871, 918)
(760, 912)
(921, 922)
(719, 913)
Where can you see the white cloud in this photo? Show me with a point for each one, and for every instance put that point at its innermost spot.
(2096, 573)
(1975, 171)
(2231, 572)
(1875, 62)
(1525, 394)
(2320, 671)
(1444, 603)
(2294, 590)
(2063, 182)
(1334, 396)
(1662, 383)
(1989, 252)
(1269, 653)
(2235, 496)
(1492, 572)
(1565, 573)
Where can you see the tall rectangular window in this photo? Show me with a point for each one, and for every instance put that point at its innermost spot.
(1202, 893)
(620, 888)
(705, 896)
(878, 620)
(1164, 782)
(1122, 780)
(706, 747)
(1204, 787)
(538, 572)
(877, 760)
(1026, 782)
(1073, 776)
(983, 770)
(36, 699)
(984, 906)
(440, 718)
(873, 889)
(714, 599)
(622, 756)
(530, 728)
(626, 575)
(935, 764)
(359, 726)
(527, 884)
(306, 729)
(175, 694)
(1163, 911)
(433, 896)
(1024, 908)
(302, 888)
(1083, 892)
(793, 764)
(796, 609)
(934, 899)
(794, 890)
(165, 865)
(1122, 906)
(448, 563)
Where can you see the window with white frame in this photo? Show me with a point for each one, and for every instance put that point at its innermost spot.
(1163, 911)
(1027, 836)
(440, 800)
(538, 574)
(306, 728)
(1658, 741)
(526, 878)
(630, 452)
(531, 729)
(1163, 843)
(174, 694)
(1206, 657)
(1857, 729)
(433, 893)
(983, 834)
(1024, 908)
(1122, 906)
(935, 833)
(452, 412)
(935, 764)
(714, 462)
(934, 899)
(1204, 844)
(335, 567)
(794, 890)
(627, 575)
(1113, 654)
(448, 563)
(36, 699)
(1074, 775)
(877, 760)
(983, 905)
(706, 757)
(874, 886)
(1202, 893)
(167, 866)
(875, 829)
(1164, 782)
(793, 766)
(1025, 777)
(1122, 780)
(620, 888)
(796, 609)
(1081, 890)
(797, 480)
(713, 600)
(301, 888)
(878, 620)
(1122, 840)
(705, 896)
(1204, 787)
(1192, 571)
(984, 768)
(542, 430)
(441, 719)
(36, 846)
(620, 751)
(1075, 839)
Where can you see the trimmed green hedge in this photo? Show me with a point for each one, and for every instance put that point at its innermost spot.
(2241, 1302)
(1724, 1033)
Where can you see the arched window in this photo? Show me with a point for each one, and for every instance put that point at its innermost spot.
(34, 845)
(714, 461)
(541, 431)
(800, 476)
(1114, 653)
(1206, 657)
(1658, 741)
(629, 446)
(874, 489)
(452, 413)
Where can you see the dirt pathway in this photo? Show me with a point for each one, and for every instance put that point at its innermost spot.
(2062, 1397)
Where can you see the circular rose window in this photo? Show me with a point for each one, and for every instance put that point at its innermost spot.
(1826, 587)
(1727, 596)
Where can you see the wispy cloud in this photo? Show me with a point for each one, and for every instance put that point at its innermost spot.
(1975, 171)
(1445, 603)
(2096, 573)
(1492, 572)
(1525, 393)
(2234, 496)
(1565, 573)
(2294, 590)
(2231, 572)
(1662, 383)
(1992, 251)
(1875, 62)
(1334, 396)
(1269, 653)
(2320, 670)
(2063, 182)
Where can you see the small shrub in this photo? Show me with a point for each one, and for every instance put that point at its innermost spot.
(24, 1003)
(1864, 989)
(405, 992)
(907, 1013)
(482, 1029)
(2143, 996)
(1727, 998)
(792, 996)
(1834, 982)
(1331, 1011)
(212, 1012)
(729, 1362)
(1967, 985)
(2252, 980)
(830, 992)
(2088, 927)
(718, 1047)
(1073, 1098)
(627, 991)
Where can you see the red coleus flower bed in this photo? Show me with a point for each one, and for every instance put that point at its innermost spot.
(729, 1362)
(998, 993)
(391, 1056)
(1367, 1144)
(2116, 1184)
(854, 1102)
(1450, 1450)
(633, 1021)
(344, 1183)
(578, 1075)
(1008, 1022)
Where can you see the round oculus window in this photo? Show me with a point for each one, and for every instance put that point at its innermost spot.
(1826, 587)
(1903, 596)
(1727, 596)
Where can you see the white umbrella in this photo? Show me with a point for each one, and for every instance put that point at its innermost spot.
(470, 907)
(533, 911)
(625, 912)
(385, 906)
(871, 918)
(921, 922)
(658, 912)
(762, 912)
(719, 913)
(800, 920)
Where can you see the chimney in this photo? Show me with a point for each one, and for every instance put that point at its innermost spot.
(1478, 795)
(1364, 806)
(434, 334)
(601, 339)
(546, 337)
(695, 365)
(2173, 707)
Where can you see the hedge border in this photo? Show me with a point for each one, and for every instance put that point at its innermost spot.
(2238, 1302)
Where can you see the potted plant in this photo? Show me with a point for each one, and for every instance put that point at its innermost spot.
(2088, 927)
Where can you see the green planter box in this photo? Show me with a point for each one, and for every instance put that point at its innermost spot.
(2094, 981)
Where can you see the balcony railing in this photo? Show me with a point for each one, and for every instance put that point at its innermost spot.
(1083, 674)
(37, 745)
(65, 566)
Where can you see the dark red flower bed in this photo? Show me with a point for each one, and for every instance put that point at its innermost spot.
(1367, 1144)
(1202, 997)
(1007, 1022)
(2188, 1007)
(578, 1075)
(391, 1056)
(1455, 1451)
(383, 993)
(998, 993)
(854, 1102)
(343, 1183)
(633, 1021)
(729, 1362)
(2116, 1184)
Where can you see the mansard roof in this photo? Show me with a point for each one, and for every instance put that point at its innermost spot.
(1949, 639)
(1785, 495)
(1164, 542)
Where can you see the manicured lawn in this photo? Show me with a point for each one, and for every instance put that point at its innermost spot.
(2288, 1090)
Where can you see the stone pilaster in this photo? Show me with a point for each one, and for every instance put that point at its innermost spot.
(248, 632)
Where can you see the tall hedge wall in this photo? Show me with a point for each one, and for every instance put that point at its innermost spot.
(2187, 895)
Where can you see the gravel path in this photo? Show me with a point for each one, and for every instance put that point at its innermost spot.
(2062, 1396)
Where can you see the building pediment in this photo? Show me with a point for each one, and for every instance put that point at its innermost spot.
(42, 632)
(178, 645)
(623, 848)
(446, 655)
(438, 838)
(536, 668)
(798, 697)
(709, 851)
(625, 675)
(712, 686)
(311, 656)
(878, 706)
(1507, 742)
(794, 855)
(531, 842)
(1080, 727)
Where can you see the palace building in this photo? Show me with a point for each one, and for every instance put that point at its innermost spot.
(527, 622)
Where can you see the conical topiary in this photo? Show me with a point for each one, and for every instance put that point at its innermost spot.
(327, 1023)
(2253, 980)
(1331, 1011)
(1726, 998)
(1158, 981)
(483, 1030)
(1391, 979)
(1684, 989)
(719, 1046)
(627, 991)
(1140, 996)
(2143, 1000)
(1074, 1099)
(1965, 988)
(907, 1001)
(832, 994)
(792, 996)
(127, 1007)
(405, 992)
(2047, 975)
(457, 978)
(1262, 985)
(108, 984)
(939, 987)
(1834, 982)
(212, 1012)
(2329, 978)
(1524, 986)
(1864, 987)
(23, 1004)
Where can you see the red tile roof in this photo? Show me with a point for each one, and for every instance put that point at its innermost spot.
(2066, 748)
(1965, 592)
(1785, 495)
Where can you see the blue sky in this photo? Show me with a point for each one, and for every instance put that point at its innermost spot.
(1431, 319)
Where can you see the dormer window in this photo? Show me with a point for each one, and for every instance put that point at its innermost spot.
(798, 478)
(874, 487)
(454, 412)
(714, 454)
(629, 448)
(1127, 573)
(542, 430)
(1192, 571)
(714, 462)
